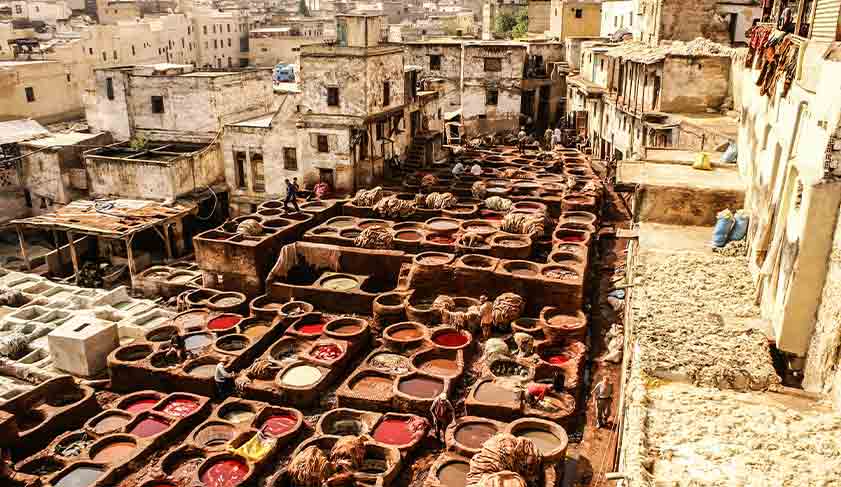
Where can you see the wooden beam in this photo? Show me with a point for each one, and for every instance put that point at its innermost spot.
(167, 244)
(22, 243)
(57, 243)
(75, 258)
(132, 267)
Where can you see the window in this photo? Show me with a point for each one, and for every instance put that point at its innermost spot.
(386, 93)
(214, 28)
(204, 28)
(290, 159)
(157, 104)
(491, 96)
(230, 62)
(239, 169)
(332, 97)
(18, 9)
(323, 145)
(90, 51)
(243, 44)
(30, 94)
(493, 64)
(380, 130)
(229, 43)
(133, 52)
(257, 174)
(109, 88)
(215, 44)
(104, 56)
(229, 27)
(114, 53)
(68, 77)
(435, 62)
(579, 13)
(183, 44)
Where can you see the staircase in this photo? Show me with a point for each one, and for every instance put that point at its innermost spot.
(416, 156)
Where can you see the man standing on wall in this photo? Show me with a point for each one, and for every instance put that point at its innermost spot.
(291, 194)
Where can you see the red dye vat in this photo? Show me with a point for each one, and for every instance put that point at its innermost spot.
(180, 407)
(311, 328)
(441, 240)
(223, 322)
(327, 352)
(149, 427)
(225, 473)
(450, 339)
(557, 359)
(393, 431)
(140, 405)
(572, 238)
(278, 424)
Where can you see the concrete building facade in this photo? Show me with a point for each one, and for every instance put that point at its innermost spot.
(574, 18)
(270, 46)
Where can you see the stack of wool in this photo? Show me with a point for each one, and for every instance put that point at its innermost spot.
(375, 237)
(525, 223)
(393, 207)
(251, 228)
(498, 203)
(479, 190)
(507, 307)
(368, 197)
(440, 201)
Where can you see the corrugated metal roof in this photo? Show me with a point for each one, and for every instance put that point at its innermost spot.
(21, 130)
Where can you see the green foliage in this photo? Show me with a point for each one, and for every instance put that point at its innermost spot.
(138, 143)
(303, 9)
(516, 24)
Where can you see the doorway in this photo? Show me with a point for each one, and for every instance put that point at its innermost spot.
(326, 176)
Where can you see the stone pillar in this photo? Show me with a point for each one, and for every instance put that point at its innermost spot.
(488, 20)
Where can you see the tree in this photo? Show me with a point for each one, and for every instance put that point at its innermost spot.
(303, 9)
(514, 24)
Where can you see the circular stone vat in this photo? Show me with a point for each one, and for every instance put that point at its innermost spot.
(349, 232)
(371, 384)
(442, 225)
(223, 471)
(453, 474)
(507, 368)
(566, 258)
(420, 386)
(371, 222)
(557, 324)
(179, 407)
(527, 325)
(42, 466)
(181, 464)
(73, 445)
(227, 300)
(133, 353)
(549, 438)
(450, 338)
(342, 422)
(110, 422)
(492, 393)
(406, 333)
(340, 282)
(137, 403)
(204, 367)
(215, 435)
(472, 434)
(440, 363)
(181, 277)
(584, 217)
(399, 227)
(480, 227)
(440, 238)
(561, 273)
(312, 325)
(390, 363)
(192, 318)
(345, 328)
(224, 322)
(162, 333)
(327, 352)
(295, 308)
(279, 422)
(150, 425)
(340, 222)
(325, 231)
(254, 328)
(270, 212)
(408, 235)
(300, 375)
(433, 259)
(477, 261)
(521, 268)
(276, 223)
(237, 412)
(113, 449)
(78, 475)
(196, 341)
(394, 430)
(232, 343)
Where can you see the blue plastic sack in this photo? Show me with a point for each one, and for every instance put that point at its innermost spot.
(723, 225)
(740, 226)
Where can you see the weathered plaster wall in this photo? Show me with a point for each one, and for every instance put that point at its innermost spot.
(418, 54)
(539, 16)
(692, 84)
(273, 50)
(506, 114)
(679, 20)
(105, 114)
(56, 95)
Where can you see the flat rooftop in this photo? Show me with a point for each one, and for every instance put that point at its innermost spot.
(656, 173)
(70, 138)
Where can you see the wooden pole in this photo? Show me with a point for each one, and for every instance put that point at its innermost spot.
(22, 243)
(71, 241)
(57, 243)
(165, 237)
(130, 256)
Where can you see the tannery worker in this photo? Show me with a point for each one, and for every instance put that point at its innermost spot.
(222, 378)
(537, 392)
(442, 412)
(486, 316)
(458, 169)
(601, 395)
(521, 141)
(291, 194)
(557, 138)
(476, 169)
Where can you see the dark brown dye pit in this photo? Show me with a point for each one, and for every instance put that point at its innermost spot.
(474, 435)
(491, 393)
(422, 387)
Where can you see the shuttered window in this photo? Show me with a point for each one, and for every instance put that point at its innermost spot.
(825, 25)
